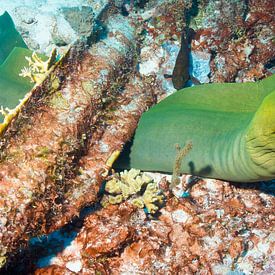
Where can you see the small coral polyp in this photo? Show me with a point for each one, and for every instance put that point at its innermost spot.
(136, 186)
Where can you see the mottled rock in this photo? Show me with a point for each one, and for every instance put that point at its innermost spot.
(204, 233)
(47, 24)
(239, 35)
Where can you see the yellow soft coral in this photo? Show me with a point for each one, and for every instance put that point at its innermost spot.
(133, 183)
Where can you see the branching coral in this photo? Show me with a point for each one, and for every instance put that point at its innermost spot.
(131, 184)
(181, 153)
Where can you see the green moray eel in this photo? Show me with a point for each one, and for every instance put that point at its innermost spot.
(231, 127)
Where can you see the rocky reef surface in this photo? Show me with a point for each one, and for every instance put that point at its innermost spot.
(205, 226)
(219, 229)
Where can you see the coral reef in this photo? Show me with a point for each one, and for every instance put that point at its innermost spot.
(239, 36)
(163, 22)
(58, 148)
(41, 194)
(220, 228)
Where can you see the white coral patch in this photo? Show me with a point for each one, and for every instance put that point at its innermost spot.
(150, 60)
(200, 65)
(74, 266)
(180, 216)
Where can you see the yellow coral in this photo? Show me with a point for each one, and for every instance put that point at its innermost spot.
(149, 199)
(130, 184)
(115, 199)
(127, 183)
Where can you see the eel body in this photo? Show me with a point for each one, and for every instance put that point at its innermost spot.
(231, 127)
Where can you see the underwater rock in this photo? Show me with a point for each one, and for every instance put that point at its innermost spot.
(50, 24)
(81, 19)
(213, 14)
(219, 228)
(45, 174)
(108, 139)
(239, 35)
(163, 23)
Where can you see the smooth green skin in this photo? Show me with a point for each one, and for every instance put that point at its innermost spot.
(12, 59)
(9, 37)
(12, 86)
(231, 127)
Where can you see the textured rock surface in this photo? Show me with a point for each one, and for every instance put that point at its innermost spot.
(218, 229)
(221, 227)
(163, 23)
(239, 35)
(45, 24)
(82, 119)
